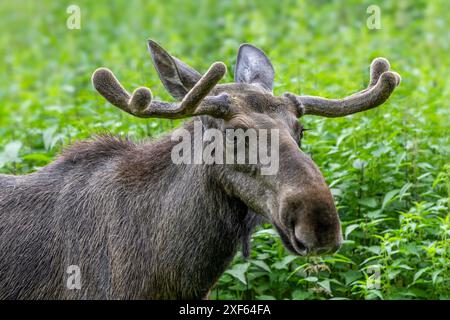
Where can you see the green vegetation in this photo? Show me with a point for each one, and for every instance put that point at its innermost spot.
(388, 168)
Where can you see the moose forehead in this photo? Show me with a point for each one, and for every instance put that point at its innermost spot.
(250, 100)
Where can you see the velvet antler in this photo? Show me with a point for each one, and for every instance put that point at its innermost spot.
(141, 104)
(382, 84)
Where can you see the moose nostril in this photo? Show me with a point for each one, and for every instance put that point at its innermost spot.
(301, 246)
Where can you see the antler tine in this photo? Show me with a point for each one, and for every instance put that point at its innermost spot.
(141, 104)
(382, 84)
(110, 88)
(377, 67)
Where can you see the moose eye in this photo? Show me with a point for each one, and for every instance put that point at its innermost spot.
(301, 133)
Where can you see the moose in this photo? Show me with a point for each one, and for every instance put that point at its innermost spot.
(139, 226)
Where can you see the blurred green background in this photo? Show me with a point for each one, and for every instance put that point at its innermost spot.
(388, 168)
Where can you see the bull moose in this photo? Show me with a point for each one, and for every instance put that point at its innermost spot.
(139, 226)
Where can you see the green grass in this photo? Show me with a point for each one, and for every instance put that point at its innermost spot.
(388, 168)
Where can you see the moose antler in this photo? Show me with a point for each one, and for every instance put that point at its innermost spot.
(141, 104)
(382, 84)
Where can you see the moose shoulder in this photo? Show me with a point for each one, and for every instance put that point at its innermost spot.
(139, 226)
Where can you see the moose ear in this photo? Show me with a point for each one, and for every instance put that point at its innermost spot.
(254, 67)
(177, 77)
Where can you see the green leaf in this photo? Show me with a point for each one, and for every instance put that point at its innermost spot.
(266, 232)
(370, 259)
(404, 266)
(311, 279)
(373, 294)
(265, 297)
(375, 214)
(389, 197)
(261, 264)
(341, 258)
(419, 273)
(238, 271)
(301, 295)
(374, 249)
(10, 153)
(342, 137)
(50, 138)
(434, 276)
(325, 284)
(351, 275)
(349, 229)
(37, 157)
(392, 274)
(283, 264)
(359, 164)
(368, 202)
(404, 189)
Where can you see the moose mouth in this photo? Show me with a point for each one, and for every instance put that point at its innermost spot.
(291, 242)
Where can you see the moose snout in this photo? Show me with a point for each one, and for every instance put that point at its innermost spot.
(312, 225)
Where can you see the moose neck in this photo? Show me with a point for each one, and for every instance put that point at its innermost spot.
(199, 225)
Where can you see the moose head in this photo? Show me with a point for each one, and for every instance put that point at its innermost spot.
(296, 199)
